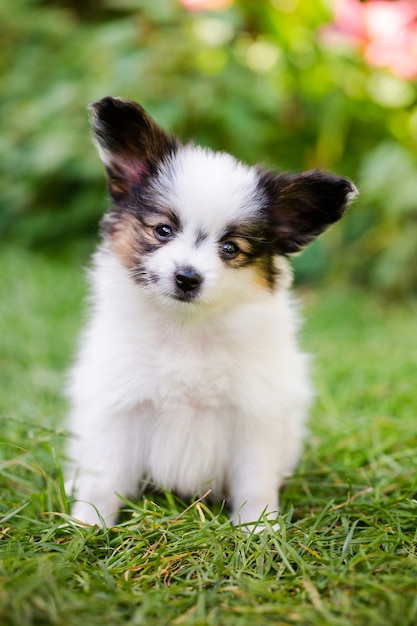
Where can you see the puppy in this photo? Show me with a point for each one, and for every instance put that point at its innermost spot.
(188, 375)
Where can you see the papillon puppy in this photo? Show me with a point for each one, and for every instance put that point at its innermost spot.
(189, 376)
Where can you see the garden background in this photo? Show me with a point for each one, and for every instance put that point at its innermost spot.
(293, 85)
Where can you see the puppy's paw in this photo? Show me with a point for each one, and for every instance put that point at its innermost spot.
(87, 514)
(262, 526)
(265, 522)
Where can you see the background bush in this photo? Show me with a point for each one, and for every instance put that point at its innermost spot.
(256, 79)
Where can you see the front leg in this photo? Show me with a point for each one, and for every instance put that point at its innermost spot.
(105, 462)
(255, 481)
(95, 501)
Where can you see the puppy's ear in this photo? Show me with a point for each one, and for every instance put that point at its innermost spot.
(130, 144)
(302, 206)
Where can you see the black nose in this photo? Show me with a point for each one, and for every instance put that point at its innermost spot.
(188, 279)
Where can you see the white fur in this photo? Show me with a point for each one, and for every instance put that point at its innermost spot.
(212, 393)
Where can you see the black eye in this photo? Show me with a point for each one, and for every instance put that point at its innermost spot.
(163, 232)
(229, 250)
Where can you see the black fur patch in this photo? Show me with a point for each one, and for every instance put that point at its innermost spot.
(133, 143)
(300, 207)
(255, 241)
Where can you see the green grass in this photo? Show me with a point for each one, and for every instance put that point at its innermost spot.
(346, 553)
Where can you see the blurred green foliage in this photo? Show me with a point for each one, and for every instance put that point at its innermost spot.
(256, 80)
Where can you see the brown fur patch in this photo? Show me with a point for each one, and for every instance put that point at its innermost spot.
(132, 239)
(133, 236)
(265, 272)
(125, 239)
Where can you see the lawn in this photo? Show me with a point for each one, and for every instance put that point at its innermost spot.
(346, 553)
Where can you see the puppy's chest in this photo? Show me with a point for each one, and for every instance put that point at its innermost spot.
(175, 372)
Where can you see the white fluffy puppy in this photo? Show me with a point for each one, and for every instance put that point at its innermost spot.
(188, 375)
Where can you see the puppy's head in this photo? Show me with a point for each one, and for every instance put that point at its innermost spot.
(195, 226)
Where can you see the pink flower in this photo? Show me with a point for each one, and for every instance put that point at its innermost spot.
(385, 31)
(206, 5)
